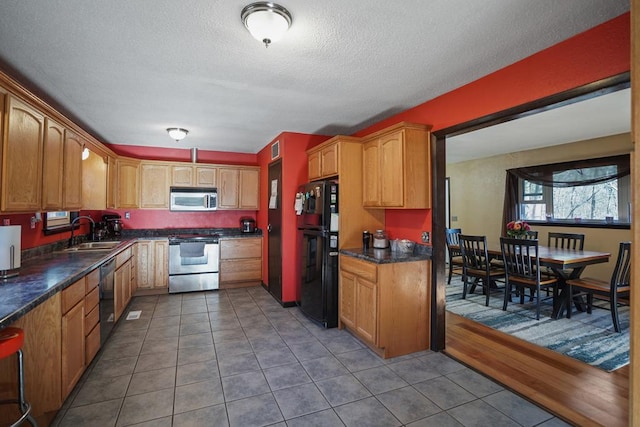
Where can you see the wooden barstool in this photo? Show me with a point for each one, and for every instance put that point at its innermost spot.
(11, 340)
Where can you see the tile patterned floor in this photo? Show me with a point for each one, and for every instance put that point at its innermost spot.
(238, 358)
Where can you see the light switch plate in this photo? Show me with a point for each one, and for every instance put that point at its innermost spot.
(425, 237)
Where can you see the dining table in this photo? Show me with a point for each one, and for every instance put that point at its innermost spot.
(566, 264)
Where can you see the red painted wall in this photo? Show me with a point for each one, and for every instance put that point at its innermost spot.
(184, 155)
(601, 52)
(293, 148)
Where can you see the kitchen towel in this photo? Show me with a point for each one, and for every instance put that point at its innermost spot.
(192, 249)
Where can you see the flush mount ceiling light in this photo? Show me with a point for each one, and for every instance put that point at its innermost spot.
(266, 21)
(177, 133)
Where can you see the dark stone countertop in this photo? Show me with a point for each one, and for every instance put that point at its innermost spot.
(385, 256)
(48, 271)
(42, 277)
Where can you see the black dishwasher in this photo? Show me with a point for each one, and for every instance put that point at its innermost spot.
(106, 299)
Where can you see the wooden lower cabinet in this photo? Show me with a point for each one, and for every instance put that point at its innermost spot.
(240, 261)
(386, 305)
(152, 265)
(73, 336)
(122, 282)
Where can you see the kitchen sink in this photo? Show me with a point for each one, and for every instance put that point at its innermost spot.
(93, 246)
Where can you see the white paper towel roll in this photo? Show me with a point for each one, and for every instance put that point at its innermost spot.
(10, 247)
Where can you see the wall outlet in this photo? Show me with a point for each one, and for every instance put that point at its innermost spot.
(6, 221)
(425, 237)
(127, 215)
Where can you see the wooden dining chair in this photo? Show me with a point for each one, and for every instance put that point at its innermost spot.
(566, 241)
(619, 285)
(455, 254)
(476, 264)
(522, 270)
(530, 234)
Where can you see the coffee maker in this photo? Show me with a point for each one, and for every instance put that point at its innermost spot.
(114, 224)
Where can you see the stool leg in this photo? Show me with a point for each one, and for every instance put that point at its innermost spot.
(25, 408)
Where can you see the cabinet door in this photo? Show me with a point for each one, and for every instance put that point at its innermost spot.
(161, 264)
(182, 176)
(126, 283)
(112, 182)
(154, 184)
(73, 339)
(392, 170)
(370, 174)
(314, 165)
(347, 301)
(366, 310)
(144, 264)
(206, 176)
(330, 160)
(228, 196)
(128, 184)
(249, 189)
(72, 172)
(22, 148)
(53, 160)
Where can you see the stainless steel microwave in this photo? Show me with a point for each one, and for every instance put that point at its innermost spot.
(193, 199)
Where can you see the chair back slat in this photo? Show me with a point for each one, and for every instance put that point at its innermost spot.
(566, 241)
(530, 235)
(520, 257)
(453, 238)
(474, 252)
(621, 276)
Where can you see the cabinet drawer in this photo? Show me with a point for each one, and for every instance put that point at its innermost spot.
(241, 270)
(360, 268)
(241, 248)
(92, 280)
(122, 257)
(73, 295)
(91, 300)
(92, 344)
(91, 319)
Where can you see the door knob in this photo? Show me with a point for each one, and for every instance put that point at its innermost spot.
(269, 228)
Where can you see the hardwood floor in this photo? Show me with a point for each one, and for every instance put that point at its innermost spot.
(574, 391)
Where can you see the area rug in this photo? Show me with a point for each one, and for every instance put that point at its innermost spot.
(589, 338)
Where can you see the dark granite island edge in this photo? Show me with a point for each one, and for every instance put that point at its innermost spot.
(386, 256)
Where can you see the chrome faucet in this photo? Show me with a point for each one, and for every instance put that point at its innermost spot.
(76, 219)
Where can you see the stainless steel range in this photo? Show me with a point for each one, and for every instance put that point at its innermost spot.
(193, 262)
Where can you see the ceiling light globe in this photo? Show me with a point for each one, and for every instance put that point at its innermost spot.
(177, 133)
(266, 21)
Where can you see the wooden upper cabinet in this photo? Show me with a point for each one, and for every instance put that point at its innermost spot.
(154, 185)
(228, 188)
(95, 184)
(72, 172)
(206, 176)
(397, 168)
(249, 189)
(128, 183)
(22, 147)
(52, 167)
(112, 182)
(314, 161)
(323, 160)
(182, 176)
(238, 187)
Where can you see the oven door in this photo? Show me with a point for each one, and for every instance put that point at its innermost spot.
(193, 258)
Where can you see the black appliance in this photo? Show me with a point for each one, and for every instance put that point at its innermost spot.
(114, 224)
(107, 317)
(317, 203)
(247, 224)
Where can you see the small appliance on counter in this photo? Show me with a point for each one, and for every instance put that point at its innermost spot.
(9, 250)
(247, 224)
(114, 224)
(380, 240)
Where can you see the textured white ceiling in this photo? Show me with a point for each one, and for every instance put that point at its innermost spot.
(128, 69)
(596, 117)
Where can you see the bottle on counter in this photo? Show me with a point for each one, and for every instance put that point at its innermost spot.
(366, 240)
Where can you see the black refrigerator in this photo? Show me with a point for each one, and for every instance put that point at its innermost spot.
(317, 209)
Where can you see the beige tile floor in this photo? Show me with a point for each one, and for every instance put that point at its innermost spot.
(238, 358)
